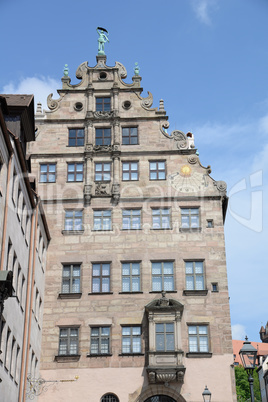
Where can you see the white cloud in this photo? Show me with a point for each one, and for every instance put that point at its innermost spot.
(238, 332)
(202, 9)
(41, 87)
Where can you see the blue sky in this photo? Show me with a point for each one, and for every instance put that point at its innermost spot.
(208, 60)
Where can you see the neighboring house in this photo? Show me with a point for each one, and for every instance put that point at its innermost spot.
(136, 302)
(24, 240)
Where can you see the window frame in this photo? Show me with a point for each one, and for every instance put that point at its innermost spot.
(100, 338)
(165, 334)
(69, 338)
(48, 173)
(157, 171)
(129, 136)
(75, 172)
(73, 219)
(109, 395)
(103, 137)
(163, 276)
(131, 276)
(76, 138)
(101, 278)
(71, 278)
(102, 218)
(129, 171)
(103, 172)
(161, 218)
(130, 218)
(190, 216)
(100, 106)
(195, 276)
(132, 339)
(198, 336)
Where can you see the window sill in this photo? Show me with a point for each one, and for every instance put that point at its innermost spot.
(100, 293)
(99, 355)
(130, 354)
(129, 180)
(102, 230)
(130, 293)
(126, 229)
(72, 232)
(195, 292)
(166, 291)
(69, 295)
(67, 358)
(200, 355)
(161, 229)
(189, 230)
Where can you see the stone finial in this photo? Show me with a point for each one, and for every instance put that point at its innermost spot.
(136, 69)
(39, 108)
(161, 105)
(66, 70)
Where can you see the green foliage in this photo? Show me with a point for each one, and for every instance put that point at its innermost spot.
(242, 385)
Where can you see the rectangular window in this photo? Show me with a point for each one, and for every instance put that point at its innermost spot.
(100, 341)
(103, 171)
(161, 218)
(103, 220)
(198, 338)
(101, 278)
(75, 171)
(190, 218)
(194, 275)
(164, 333)
(103, 136)
(131, 340)
(131, 219)
(130, 135)
(48, 173)
(103, 104)
(158, 170)
(130, 171)
(162, 276)
(2, 329)
(73, 220)
(131, 277)
(76, 137)
(71, 278)
(68, 343)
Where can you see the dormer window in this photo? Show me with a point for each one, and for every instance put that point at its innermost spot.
(103, 104)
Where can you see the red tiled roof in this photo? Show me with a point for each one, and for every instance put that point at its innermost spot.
(262, 349)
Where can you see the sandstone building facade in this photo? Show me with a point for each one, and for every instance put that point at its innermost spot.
(24, 239)
(136, 306)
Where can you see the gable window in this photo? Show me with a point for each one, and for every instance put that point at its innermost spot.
(198, 338)
(161, 218)
(103, 171)
(68, 342)
(76, 137)
(164, 333)
(158, 170)
(103, 136)
(130, 171)
(101, 278)
(162, 276)
(102, 220)
(75, 171)
(71, 278)
(131, 219)
(190, 218)
(100, 341)
(48, 173)
(130, 277)
(130, 135)
(73, 220)
(131, 340)
(194, 275)
(103, 104)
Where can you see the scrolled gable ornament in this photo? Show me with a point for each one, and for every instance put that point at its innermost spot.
(53, 104)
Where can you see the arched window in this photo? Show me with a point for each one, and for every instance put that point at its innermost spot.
(160, 398)
(109, 398)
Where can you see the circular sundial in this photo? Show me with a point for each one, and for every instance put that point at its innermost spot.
(187, 181)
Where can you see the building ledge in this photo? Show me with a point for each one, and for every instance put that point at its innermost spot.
(69, 295)
(100, 293)
(67, 358)
(200, 355)
(195, 292)
(72, 232)
(189, 230)
(99, 355)
(130, 354)
(130, 293)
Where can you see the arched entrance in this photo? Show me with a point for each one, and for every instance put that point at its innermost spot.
(160, 398)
